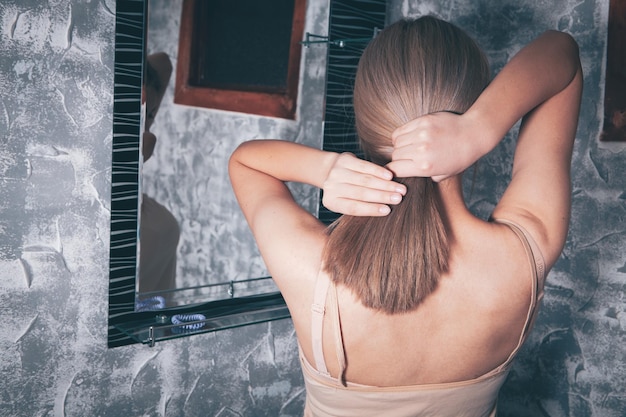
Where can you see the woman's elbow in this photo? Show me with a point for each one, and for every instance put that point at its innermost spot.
(567, 45)
(235, 159)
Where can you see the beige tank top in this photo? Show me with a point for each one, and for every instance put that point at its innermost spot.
(328, 396)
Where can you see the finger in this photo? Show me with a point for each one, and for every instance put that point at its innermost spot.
(401, 135)
(439, 178)
(367, 195)
(346, 176)
(405, 151)
(359, 208)
(403, 168)
(404, 129)
(369, 168)
(377, 184)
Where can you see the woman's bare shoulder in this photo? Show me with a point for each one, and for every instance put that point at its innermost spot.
(293, 258)
(491, 258)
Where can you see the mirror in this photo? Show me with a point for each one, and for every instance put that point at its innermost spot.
(175, 211)
(220, 275)
(194, 243)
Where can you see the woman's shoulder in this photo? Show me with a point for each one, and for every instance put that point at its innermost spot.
(492, 258)
(294, 258)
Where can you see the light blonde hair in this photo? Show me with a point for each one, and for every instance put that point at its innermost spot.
(411, 68)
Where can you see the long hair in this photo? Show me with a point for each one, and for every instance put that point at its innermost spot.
(411, 68)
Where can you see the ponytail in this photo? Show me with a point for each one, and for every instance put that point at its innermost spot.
(392, 263)
(411, 68)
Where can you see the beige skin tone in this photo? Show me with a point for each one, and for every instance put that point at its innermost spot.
(473, 320)
(153, 102)
(152, 98)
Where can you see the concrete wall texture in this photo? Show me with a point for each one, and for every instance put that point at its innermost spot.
(56, 83)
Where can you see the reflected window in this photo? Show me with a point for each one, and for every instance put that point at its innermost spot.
(615, 90)
(240, 56)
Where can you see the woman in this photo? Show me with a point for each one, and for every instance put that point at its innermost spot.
(159, 231)
(410, 305)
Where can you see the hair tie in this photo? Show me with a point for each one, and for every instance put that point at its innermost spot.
(187, 322)
(153, 303)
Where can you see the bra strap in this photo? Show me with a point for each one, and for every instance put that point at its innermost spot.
(317, 322)
(341, 355)
(537, 257)
(538, 274)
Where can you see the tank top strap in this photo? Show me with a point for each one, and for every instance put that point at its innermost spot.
(538, 267)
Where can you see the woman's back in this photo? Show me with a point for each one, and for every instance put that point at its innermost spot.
(467, 327)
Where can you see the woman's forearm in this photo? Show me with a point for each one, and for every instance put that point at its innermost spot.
(536, 73)
(351, 185)
(285, 161)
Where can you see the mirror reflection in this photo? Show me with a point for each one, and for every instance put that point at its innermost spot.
(194, 243)
(159, 229)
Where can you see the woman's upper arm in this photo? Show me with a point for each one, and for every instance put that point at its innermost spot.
(258, 171)
(280, 226)
(539, 194)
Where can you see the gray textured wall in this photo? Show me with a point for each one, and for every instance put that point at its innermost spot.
(55, 144)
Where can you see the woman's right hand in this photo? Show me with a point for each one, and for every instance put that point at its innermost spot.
(360, 188)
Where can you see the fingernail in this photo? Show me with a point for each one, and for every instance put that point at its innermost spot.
(401, 190)
(384, 210)
(395, 198)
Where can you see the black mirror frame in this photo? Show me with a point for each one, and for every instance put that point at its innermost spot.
(125, 325)
(130, 23)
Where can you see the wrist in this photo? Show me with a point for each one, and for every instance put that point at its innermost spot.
(327, 162)
(485, 132)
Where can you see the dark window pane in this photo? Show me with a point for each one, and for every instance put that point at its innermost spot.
(242, 44)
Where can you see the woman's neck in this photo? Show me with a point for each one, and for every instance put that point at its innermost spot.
(453, 203)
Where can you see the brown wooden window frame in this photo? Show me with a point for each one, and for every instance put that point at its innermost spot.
(614, 129)
(282, 104)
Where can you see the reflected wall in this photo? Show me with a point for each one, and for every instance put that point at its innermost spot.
(188, 171)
